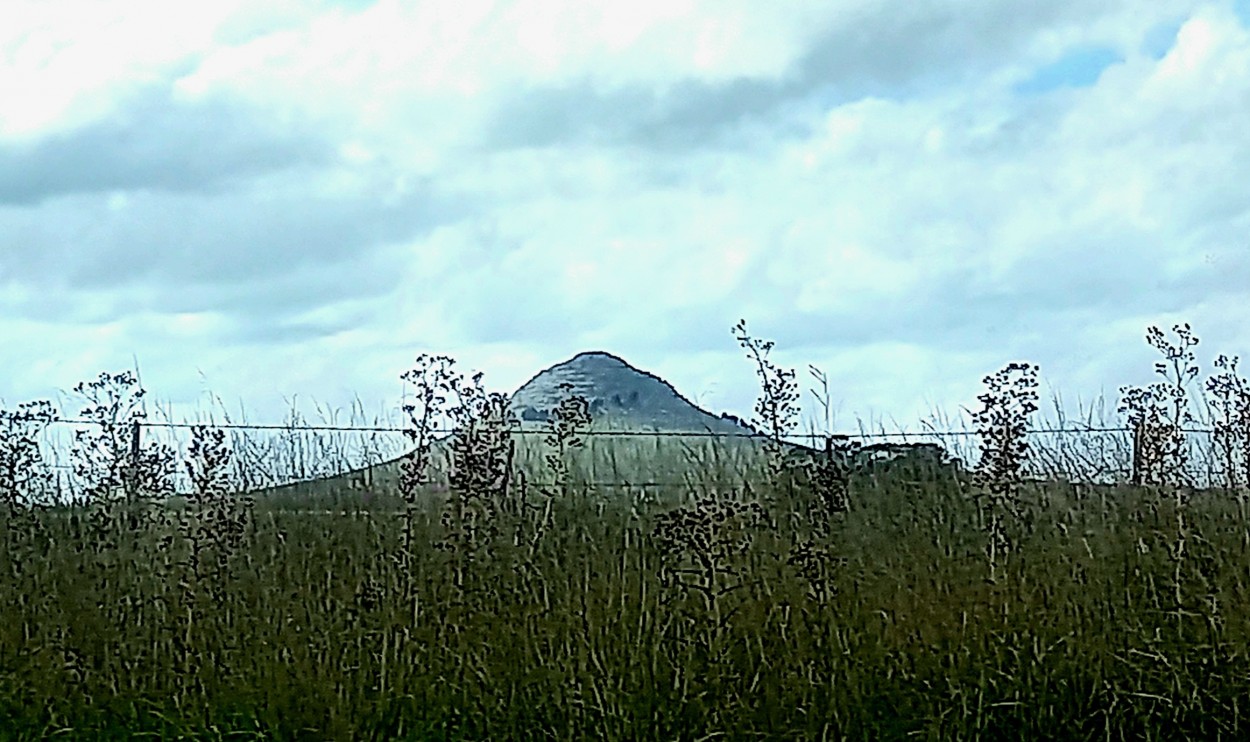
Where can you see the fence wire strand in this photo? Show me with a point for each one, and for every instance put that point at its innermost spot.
(626, 433)
(957, 448)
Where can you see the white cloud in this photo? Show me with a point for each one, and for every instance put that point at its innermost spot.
(448, 53)
(60, 68)
(301, 200)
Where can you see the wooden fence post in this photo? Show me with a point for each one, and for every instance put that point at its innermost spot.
(132, 476)
(1136, 476)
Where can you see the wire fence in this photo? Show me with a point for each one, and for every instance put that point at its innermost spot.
(618, 433)
(273, 455)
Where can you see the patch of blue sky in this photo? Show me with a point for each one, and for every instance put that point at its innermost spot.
(1077, 68)
(1160, 39)
(1242, 9)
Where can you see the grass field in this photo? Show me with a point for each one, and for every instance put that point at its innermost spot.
(757, 601)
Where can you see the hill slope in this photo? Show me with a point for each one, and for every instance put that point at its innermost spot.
(621, 398)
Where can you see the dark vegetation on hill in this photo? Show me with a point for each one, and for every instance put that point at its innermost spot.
(773, 596)
(618, 398)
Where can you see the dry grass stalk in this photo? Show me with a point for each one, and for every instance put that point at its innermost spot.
(912, 648)
(124, 480)
(776, 414)
(24, 481)
(224, 517)
(830, 475)
(1002, 425)
(776, 411)
(825, 494)
(214, 529)
(565, 427)
(1231, 412)
(433, 377)
(23, 475)
(481, 465)
(108, 457)
(1157, 413)
(564, 434)
(703, 551)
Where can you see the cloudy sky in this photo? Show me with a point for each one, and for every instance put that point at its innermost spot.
(294, 199)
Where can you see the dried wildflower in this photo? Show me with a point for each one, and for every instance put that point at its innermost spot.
(110, 456)
(1157, 412)
(817, 566)
(23, 475)
(1002, 426)
(1230, 406)
(703, 541)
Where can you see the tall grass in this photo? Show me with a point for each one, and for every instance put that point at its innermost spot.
(775, 595)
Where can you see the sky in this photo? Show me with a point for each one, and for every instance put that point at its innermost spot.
(286, 202)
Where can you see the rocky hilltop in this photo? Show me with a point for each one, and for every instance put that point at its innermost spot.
(620, 397)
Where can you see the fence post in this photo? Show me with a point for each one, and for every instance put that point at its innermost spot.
(132, 475)
(1136, 474)
(513, 508)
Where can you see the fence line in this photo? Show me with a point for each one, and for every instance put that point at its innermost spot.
(625, 433)
(1127, 462)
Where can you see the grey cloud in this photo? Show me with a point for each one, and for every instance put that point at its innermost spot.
(246, 253)
(908, 51)
(156, 143)
(689, 115)
(280, 331)
(925, 43)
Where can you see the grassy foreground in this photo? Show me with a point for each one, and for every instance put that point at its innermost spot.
(766, 596)
(315, 629)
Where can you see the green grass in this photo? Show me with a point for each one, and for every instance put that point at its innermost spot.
(721, 608)
(1079, 639)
